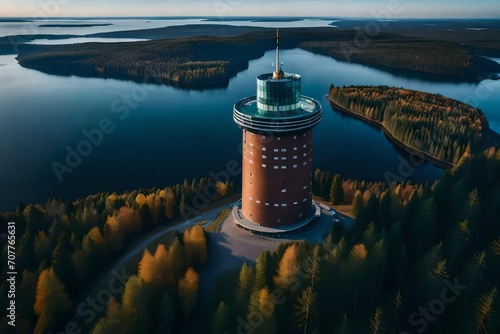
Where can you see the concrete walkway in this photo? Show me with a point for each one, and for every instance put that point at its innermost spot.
(232, 246)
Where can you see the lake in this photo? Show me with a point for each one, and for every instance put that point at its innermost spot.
(171, 134)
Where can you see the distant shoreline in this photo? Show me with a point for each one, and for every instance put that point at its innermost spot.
(78, 25)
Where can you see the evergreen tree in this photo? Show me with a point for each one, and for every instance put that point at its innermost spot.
(336, 190)
(51, 303)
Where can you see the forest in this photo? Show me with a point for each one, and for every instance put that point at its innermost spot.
(443, 128)
(63, 246)
(203, 61)
(442, 58)
(190, 62)
(419, 257)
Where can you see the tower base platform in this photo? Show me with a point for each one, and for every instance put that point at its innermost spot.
(274, 232)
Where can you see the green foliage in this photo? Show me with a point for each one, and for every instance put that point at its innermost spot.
(443, 128)
(51, 303)
(405, 259)
(336, 191)
(444, 58)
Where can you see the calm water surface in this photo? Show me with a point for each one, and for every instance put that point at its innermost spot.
(171, 134)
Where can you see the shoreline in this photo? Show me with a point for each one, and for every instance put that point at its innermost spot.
(411, 150)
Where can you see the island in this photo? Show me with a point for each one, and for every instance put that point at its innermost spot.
(195, 60)
(439, 129)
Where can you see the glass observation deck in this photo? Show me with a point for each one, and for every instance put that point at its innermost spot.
(278, 106)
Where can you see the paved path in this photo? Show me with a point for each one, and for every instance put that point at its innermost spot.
(232, 246)
(117, 269)
(228, 249)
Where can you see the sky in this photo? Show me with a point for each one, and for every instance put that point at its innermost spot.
(330, 8)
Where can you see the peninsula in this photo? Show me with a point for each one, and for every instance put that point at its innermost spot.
(440, 129)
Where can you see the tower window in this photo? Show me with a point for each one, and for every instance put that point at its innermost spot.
(295, 157)
(257, 201)
(276, 167)
(264, 157)
(276, 150)
(295, 149)
(295, 203)
(283, 158)
(283, 190)
(283, 150)
(251, 144)
(264, 149)
(276, 205)
(284, 204)
(267, 204)
(275, 158)
(264, 165)
(294, 166)
(283, 167)
(305, 145)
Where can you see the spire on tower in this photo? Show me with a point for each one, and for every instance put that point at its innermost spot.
(277, 50)
(278, 73)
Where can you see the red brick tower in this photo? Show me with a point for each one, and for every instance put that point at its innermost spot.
(277, 149)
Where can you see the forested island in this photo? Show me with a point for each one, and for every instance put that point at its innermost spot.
(441, 129)
(185, 60)
(409, 244)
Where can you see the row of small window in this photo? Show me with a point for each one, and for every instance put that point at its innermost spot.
(276, 205)
(278, 158)
(282, 167)
(282, 150)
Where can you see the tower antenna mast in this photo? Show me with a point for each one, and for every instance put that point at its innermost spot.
(277, 73)
(277, 50)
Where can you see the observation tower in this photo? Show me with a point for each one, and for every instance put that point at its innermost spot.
(277, 150)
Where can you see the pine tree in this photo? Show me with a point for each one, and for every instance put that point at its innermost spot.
(305, 310)
(263, 275)
(288, 269)
(357, 203)
(485, 311)
(336, 190)
(147, 267)
(188, 290)
(51, 302)
(245, 285)
(220, 319)
(376, 322)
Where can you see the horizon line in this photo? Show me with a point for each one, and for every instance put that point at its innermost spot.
(255, 16)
